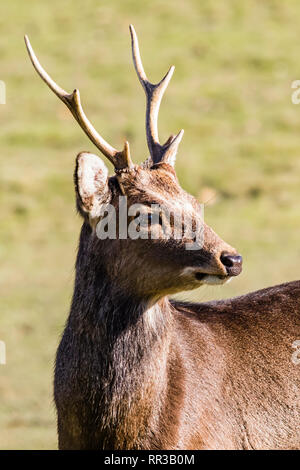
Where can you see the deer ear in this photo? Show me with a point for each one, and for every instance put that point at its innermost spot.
(91, 183)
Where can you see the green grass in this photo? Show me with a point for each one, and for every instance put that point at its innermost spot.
(231, 92)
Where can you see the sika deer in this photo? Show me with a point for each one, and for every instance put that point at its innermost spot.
(136, 370)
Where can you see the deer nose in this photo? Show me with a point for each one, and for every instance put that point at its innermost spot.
(232, 263)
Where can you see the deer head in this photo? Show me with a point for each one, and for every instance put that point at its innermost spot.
(149, 266)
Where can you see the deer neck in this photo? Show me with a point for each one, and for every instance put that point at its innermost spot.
(127, 341)
(100, 303)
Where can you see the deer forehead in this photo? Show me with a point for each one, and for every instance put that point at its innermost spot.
(158, 187)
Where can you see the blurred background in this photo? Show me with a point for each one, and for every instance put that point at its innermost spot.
(231, 92)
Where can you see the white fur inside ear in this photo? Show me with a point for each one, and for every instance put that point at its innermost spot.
(92, 177)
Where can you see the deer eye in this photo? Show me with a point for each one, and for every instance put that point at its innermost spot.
(152, 219)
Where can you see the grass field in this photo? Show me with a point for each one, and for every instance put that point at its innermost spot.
(231, 92)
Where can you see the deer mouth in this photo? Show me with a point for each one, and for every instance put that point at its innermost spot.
(212, 279)
(206, 278)
(200, 276)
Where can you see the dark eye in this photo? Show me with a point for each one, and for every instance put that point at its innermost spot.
(152, 219)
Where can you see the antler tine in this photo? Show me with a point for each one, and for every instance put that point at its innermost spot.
(120, 160)
(154, 94)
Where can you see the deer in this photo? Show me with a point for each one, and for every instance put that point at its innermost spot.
(136, 369)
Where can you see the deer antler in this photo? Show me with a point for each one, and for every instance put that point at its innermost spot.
(154, 94)
(120, 159)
